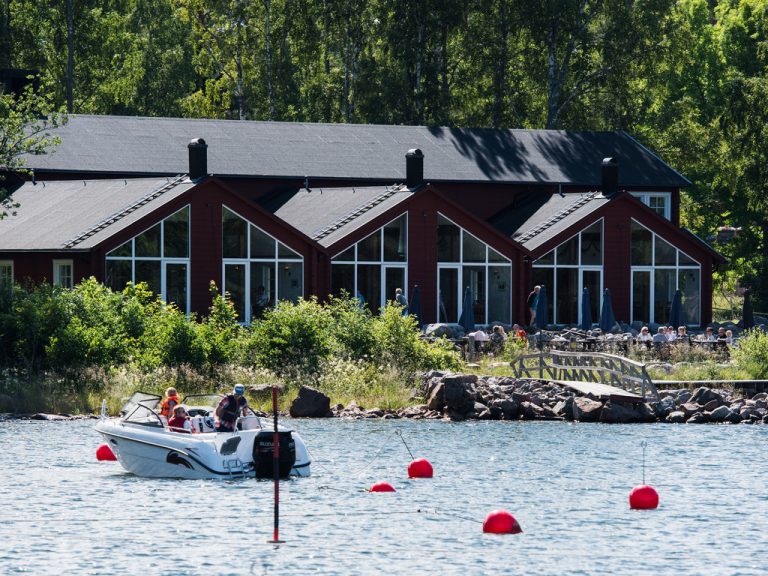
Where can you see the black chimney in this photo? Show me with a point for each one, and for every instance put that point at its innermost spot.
(414, 168)
(198, 159)
(610, 175)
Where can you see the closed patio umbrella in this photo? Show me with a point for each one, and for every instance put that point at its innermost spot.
(542, 308)
(414, 308)
(676, 317)
(607, 318)
(747, 315)
(467, 319)
(586, 311)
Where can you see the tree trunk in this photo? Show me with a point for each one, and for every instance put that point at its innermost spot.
(268, 51)
(347, 65)
(70, 55)
(553, 78)
(500, 73)
(418, 96)
(5, 35)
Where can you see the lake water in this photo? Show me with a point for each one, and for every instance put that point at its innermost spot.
(62, 512)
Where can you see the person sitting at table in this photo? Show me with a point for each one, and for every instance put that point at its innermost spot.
(709, 336)
(682, 333)
(480, 339)
(729, 336)
(644, 337)
(661, 335)
(671, 334)
(497, 340)
(721, 334)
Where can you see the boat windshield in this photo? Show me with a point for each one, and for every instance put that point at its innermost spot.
(150, 401)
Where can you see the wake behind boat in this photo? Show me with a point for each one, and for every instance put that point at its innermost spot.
(145, 446)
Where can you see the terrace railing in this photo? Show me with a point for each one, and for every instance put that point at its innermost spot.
(598, 367)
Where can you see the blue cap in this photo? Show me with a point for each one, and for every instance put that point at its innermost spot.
(239, 389)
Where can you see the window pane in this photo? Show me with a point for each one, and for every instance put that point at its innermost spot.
(343, 279)
(494, 256)
(545, 277)
(658, 204)
(234, 286)
(176, 235)
(122, 250)
(641, 296)
(592, 245)
(235, 234)
(690, 287)
(284, 252)
(664, 282)
(474, 277)
(548, 258)
(394, 278)
(567, 252)
(591, 280)
(262, 287)
(665, 253)
(567, 309)
(290, 281)
(369, 285)
(369, 249)
(347, 256)
(448, 305)
(474, 250)
(641, 246)
(685, 260)
(262, 244)
(118, 274)
(149, 271)
(448, 235)
(499, 294)
(396, 240)
(176, 285)
(148, 243)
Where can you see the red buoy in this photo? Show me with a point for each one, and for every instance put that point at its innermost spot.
(643, 498)
(104, 452)
(420, 468)
(382, 487)
(501, 522)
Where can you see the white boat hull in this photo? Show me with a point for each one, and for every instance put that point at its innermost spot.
(155, 452)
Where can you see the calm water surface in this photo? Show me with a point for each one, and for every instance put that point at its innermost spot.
(62, 512)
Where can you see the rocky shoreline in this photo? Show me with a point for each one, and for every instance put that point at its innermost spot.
(460, 397)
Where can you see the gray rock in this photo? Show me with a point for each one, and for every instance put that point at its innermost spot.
(702, 395)
(459, 394)
(690, 408)
(676, 417)
(720, 414)
(586, 410)
(698, 418)
(311, 403)
(436, 398)
(683, 396)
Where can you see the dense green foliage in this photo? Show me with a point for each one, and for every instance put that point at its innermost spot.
(689, 78)
(337, 345)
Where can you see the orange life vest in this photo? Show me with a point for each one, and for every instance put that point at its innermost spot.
(166, 408)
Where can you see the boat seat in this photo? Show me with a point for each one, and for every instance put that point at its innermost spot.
(202, 423)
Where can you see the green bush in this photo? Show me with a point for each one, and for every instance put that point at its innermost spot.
(752, 354)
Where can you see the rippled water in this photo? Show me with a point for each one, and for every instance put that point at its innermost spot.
(567, 484)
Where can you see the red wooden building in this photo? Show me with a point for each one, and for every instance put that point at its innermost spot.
(273, 211)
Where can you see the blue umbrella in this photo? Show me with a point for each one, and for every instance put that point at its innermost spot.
(586, 311)
(467, 319)
(542, 308)
(607, 319)
(414, 308)
(747, 315)
(676, 318)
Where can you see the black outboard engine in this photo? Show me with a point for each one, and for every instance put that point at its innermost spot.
(263, 454)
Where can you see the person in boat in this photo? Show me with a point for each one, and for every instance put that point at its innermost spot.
(230, 408)
(169, 403)
(180, 421)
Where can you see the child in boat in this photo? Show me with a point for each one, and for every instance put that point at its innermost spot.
(180, 421)
(171, 401)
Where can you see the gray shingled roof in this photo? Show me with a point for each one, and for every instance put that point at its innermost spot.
(327, 215)
(540, 219)
(77, 214)
(143, 146)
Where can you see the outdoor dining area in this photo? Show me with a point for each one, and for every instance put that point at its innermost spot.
(607, 335)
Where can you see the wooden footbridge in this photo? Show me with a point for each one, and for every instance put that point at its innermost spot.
(601, 374)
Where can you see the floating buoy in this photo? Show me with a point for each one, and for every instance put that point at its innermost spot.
(501, 522)
(104, 453)
(643, 498)
(420, 468)
(383, 487)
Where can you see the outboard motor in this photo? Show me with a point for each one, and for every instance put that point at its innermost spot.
(263, 454)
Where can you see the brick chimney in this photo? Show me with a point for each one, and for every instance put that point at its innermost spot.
(414, 168)
(610, 177)
(198, 159)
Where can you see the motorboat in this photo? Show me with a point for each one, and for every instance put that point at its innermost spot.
(144, 444)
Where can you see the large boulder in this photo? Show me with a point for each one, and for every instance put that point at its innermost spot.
(586, 410)
(702, 395)
(676, 417)
(625, 413)
(459, 394)
(311, 403)
(436, 398)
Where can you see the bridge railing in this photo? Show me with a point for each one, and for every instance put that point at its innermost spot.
(599, 367)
